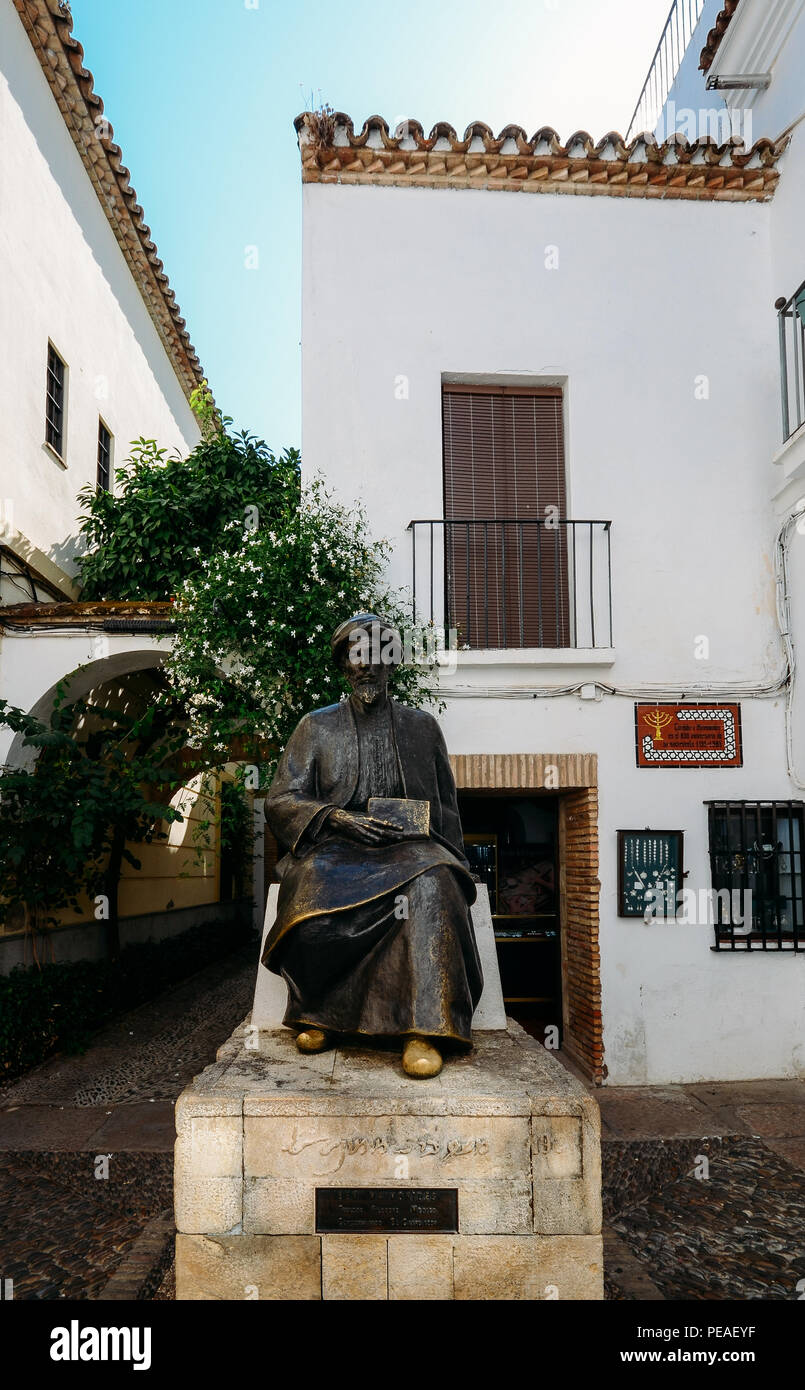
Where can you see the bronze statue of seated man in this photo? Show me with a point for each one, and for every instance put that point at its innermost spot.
(373, 935)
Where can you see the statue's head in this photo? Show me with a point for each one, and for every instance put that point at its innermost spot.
(366, 648)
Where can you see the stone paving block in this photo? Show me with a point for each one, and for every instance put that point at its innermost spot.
(420, 1267)
(354, 1267)
(147, 1254)
(142, 1127)
(51, 1127)
(785, 1091)
(264, 1268)
(792, 1150)
(646, 1112)
(774, 1120)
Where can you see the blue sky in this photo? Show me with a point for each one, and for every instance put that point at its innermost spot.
(202, 95)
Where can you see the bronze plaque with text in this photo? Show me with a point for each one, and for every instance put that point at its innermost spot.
(386, 1210)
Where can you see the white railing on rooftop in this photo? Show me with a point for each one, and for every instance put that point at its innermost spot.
(679, 27)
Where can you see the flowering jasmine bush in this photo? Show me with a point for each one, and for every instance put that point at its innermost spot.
(252, 650)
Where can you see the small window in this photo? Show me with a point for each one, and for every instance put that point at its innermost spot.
(756, 850)
(104, 457)
(54, 405)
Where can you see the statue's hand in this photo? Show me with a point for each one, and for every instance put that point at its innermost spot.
(365, 830)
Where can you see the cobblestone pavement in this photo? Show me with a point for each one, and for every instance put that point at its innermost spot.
(153, 1052)
(65, 1232)
(739, 1233)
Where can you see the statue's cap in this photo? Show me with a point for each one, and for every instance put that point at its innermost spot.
(368, 622)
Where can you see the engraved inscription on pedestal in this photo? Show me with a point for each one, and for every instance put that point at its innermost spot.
(386, 1210)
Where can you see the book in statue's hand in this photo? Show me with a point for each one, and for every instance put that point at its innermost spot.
(409, 816)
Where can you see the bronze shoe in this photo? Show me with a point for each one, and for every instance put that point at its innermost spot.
(313, 1040)
(421, 1058)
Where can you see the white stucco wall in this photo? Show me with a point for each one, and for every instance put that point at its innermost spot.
(648, 297)
(63, 277)
(673, 1009)
(420, 283)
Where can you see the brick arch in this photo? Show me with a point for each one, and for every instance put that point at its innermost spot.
(574, 778)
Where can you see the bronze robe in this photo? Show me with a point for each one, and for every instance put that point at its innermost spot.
(352, 963)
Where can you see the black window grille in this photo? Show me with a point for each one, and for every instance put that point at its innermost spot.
(756, 852)
(54, 404)
(104, 457)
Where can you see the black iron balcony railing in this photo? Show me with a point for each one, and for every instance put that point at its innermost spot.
(514, 581)
(667, 60)
(790, 315)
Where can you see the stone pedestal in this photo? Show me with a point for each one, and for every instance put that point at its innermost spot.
(506, 1128)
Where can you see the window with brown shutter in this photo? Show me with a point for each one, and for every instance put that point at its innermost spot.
(506, 547)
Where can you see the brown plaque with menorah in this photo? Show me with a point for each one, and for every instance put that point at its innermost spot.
(688, 735)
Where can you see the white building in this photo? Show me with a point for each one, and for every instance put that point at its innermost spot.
(93, 349)
(589, 379)
(93, 354)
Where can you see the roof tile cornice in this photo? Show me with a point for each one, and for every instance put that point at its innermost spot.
(48, 25)
(719, 29)
(332, 152)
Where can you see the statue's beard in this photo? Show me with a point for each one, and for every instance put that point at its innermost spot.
(369, 692)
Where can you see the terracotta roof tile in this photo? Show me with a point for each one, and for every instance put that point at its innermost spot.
(49, 28)
(716, 34)
(332, 152)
